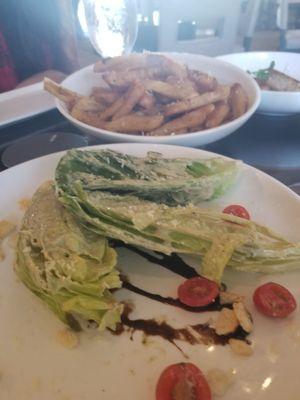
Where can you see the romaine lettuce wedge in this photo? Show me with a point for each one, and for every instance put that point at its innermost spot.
(219, 239)
(171, 181)
(69, 267)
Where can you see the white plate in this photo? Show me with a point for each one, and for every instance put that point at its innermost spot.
(82, 82)
(23, 103)
(273, 103)
(34, 366)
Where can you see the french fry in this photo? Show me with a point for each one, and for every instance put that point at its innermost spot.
(87, 117)
(120, 63)
(129, 62)
(238, 100)
(221, 93)
(124, 79)
(171, 67)
(99, 65)
(164, 89)
(204, 82)
(186, 86)
(107, 96)
(147, 101)
(160, 63)
(219, 114)
(89, 104)
(156, 109)
(131, 98)
(189, 120)
(65, 95)
(162, 100)
(176, 89)
(134, 123)
(112, 109)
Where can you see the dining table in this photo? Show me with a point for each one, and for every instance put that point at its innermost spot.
(267, 142)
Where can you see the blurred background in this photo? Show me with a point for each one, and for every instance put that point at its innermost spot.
(50, 37)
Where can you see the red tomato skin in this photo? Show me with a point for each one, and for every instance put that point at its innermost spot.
(198, 292)
(274, 300)
(173, 373)
(237, 210)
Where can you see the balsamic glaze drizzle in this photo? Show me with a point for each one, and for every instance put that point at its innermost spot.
(215, 306)
(151, 327)
(171, 262)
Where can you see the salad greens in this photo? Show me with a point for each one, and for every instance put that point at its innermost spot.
(69, 267)
(219, 239)
(263, 74)
(176, 181)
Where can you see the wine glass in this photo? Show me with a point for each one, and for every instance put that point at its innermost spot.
(112, 25)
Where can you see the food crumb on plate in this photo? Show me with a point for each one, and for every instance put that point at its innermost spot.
(294, 332)
(219, 381)
(240, 347)
(6, 228)
(2, 255)
(67, 338)
(243, 316)
(36, 384)
(227, 322)
(272, 351)
(23, 204)
(230, 298)
(12, 240)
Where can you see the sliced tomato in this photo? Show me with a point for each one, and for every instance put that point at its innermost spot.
(183, 381)
(237, 210)
(274, 300)
(198, 292)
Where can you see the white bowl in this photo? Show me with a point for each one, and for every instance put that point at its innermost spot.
(275, 103)
(82, 82)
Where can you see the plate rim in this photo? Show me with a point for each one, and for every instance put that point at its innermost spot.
(33, 89)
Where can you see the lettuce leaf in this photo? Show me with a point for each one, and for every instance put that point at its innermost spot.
(69, 267)
(171, 181)
(219, 239)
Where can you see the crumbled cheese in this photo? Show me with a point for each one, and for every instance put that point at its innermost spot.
(240, 347)
(227, 322)
(293, 329)
(2, 255)
(219, 381)
(243, 316)
(6, 227)
(272, 351)
(24, 204)
(230, 298)
(12, 240)
(67, 338)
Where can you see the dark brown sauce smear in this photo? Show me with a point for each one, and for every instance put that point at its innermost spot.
(150, 327)
(203, 333)
(215, 306)
(172, 262)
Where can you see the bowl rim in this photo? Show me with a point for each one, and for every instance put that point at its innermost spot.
(228, 125)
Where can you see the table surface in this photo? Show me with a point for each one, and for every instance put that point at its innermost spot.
(269, 143)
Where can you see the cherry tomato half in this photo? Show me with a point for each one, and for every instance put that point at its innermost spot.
(198, 292)
(183, 381)
(274, 300)
(237, 210)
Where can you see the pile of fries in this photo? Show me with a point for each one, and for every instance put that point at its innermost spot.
(151, 94)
